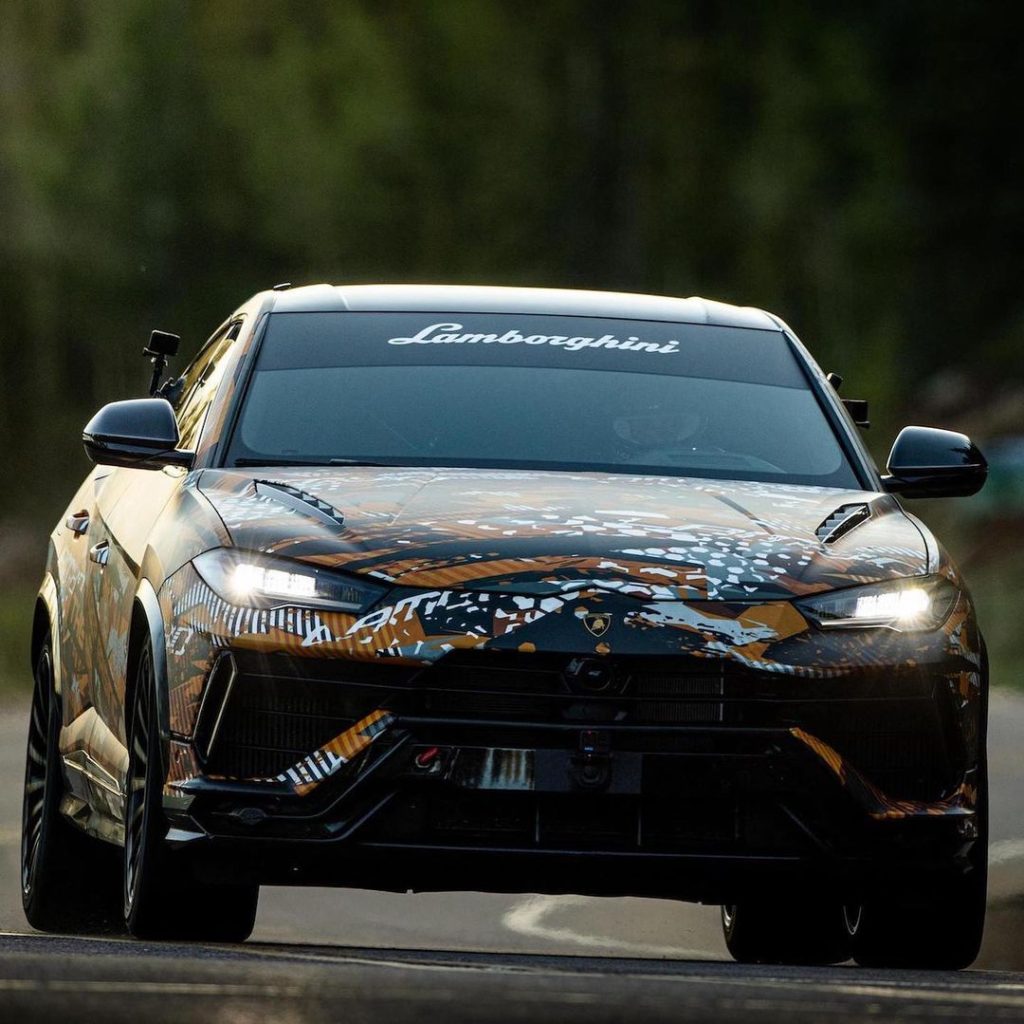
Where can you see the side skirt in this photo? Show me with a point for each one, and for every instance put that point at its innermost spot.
(95, 765)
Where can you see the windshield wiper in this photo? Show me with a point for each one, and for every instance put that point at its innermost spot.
(306, 462)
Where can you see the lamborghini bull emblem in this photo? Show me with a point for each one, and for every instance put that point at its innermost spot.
(597, 623)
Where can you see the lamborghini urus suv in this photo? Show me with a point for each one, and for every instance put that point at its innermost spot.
(516, 590)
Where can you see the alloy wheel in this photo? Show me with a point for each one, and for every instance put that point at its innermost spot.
(852, 914)
(138, 771)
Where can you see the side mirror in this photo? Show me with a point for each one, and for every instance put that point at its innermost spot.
(140, 433)
(930, 463)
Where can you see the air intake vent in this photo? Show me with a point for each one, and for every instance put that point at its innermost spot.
(300, 501)
(841, 522)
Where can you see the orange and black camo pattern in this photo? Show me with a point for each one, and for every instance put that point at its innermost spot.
(588, 564)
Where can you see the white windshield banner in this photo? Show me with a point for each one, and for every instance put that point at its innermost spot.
(449, 334)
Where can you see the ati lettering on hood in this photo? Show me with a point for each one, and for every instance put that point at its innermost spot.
(447, 335)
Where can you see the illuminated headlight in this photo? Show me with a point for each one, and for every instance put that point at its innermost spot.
(244, 578)
(908, 605)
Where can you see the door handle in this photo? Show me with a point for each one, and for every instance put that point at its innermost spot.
(77, 523)
(99, 553)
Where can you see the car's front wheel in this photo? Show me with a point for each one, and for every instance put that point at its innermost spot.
(68, 879)
(788, 931)
(162, 899)
(943, 933)
(939, 926)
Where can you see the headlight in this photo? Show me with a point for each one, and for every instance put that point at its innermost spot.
(259, 581)
(908, 605)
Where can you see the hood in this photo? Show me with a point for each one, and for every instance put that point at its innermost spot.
(534, 532)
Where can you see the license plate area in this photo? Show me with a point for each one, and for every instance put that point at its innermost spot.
(518, 770)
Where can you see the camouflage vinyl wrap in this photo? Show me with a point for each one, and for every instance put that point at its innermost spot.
(517, 561)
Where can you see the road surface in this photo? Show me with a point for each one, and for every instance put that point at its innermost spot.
(344, 954)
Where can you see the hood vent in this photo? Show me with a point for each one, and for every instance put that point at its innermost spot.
(301, 501)
(841, 522)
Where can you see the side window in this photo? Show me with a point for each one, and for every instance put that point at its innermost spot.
(199, 385)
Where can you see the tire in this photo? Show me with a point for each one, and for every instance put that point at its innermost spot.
(69, 880)
(942, 927)
(162, 899)
(788, 931)
(943, 935)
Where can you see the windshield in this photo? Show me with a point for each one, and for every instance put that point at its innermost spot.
(530, 391)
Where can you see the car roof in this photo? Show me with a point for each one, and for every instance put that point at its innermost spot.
(444, 298)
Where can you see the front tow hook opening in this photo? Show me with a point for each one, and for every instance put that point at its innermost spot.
(591, 766)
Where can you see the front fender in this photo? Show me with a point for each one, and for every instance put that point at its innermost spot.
(47, 597)
(149, 605)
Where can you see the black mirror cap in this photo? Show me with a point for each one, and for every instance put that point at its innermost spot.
(139, 433)
(926, 462)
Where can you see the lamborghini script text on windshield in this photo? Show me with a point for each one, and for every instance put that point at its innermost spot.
(446, 334)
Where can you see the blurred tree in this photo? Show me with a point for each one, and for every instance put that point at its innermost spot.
(854, 167)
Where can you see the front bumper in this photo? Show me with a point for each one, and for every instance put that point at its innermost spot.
(687, 778)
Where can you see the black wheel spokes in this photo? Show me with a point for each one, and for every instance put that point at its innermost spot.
(35, 775)
(135, 816)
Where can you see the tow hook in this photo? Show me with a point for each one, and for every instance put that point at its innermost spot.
(428, 761)
(592, 763)
(250, 816)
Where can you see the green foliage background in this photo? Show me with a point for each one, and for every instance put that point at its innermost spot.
(856, 168)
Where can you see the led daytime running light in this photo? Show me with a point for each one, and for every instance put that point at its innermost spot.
(247, 580)
(257, 581)
(904, 606)
(917, 604)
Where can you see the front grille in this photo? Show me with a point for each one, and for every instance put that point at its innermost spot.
(557, 690)
(891, 727)
(900, 745)
(274, 717)
(267, 728)
(670, 697)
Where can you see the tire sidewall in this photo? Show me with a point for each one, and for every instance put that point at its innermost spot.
(43, 691)
(149, 838)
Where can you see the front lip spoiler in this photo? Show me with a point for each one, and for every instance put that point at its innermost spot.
(343, 804)
(206, 784)
(698, 877)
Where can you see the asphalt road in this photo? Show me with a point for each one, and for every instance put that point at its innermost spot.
(87, 980)
(358, 956)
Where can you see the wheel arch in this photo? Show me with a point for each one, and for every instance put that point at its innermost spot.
(46, 621)
(147, 625)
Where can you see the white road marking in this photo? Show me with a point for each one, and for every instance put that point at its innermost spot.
(527, 918)
(1005, 850)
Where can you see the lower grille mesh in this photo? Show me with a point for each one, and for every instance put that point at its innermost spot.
(282, 708)
(270, 724)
